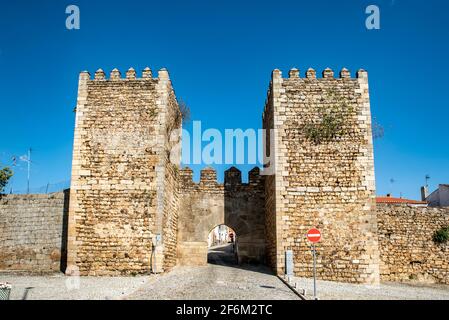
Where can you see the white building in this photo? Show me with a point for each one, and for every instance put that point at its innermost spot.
(220, 235)
(440, 197)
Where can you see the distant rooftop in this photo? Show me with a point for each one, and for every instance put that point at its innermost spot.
(391, 200)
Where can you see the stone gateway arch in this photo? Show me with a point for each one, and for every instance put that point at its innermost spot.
(208, 204)
(134, 210)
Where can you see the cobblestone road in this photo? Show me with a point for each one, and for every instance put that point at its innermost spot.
(221, 279)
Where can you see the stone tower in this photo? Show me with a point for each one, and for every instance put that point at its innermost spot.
(127, 190)
(326, 183)
(123, 197)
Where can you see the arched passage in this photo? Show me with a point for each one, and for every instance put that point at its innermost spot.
(208, 204)
(222, 246)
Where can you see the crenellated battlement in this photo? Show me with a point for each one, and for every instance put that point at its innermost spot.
(130, 74)
(311, 74)
(122, 177)
(208, 179)
(328, 78)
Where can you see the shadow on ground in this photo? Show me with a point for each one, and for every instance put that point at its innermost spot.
(224, 255)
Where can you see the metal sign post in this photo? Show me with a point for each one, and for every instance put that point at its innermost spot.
(314, 236)
(289, 263)
(314, 271)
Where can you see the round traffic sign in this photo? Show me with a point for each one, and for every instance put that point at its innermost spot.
(314, 235)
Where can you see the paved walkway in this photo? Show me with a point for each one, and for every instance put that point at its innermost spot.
(327, 290)
(221, 279)
(60, 287)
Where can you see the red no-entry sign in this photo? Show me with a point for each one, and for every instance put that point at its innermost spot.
(314, 235)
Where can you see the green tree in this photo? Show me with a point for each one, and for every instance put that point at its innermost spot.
(5, 174)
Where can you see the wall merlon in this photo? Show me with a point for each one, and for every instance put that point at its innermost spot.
(276, 75)
(362, 76)
(115, 74)
(232, 176)
(99, 75)
(208, 176)
(254, 176)
(163, 74)
(131, 74)
(345, 74)
(294, 73)
(147, 73)
(311, 74)
(84, 76)
(328, 73)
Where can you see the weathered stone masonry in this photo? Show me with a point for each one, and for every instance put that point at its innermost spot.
(208, 204)
(33, 232)
(329, 186)
(133, 210)
(407, 249)
(123, 191)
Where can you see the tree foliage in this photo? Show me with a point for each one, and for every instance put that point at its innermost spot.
(185, 111)
(5, 174)
(441, 236)
(334, 112)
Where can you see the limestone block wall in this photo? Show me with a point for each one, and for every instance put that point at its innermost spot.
(328, 185)
(407, 251)
(118, 202)
(169, 176)
(207, 204)
(271, 230)
(33, 232)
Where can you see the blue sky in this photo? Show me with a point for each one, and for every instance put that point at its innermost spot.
(220, 55)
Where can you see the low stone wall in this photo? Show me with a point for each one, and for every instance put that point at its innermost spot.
(33, 232)
(192, 253)
(407, 250)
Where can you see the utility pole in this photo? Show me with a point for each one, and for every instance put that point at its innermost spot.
(29, 169)
(14, 165)
(27, 159)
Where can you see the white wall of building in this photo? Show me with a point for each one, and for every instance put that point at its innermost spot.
(440, 197)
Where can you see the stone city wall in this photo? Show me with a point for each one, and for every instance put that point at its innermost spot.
(33, 232)
(407, 249)
(207, 204)
(132, 210)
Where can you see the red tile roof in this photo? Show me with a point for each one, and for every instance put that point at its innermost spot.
(398, 200)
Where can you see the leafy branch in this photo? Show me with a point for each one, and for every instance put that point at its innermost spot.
(333, 113)
(5, 174)
(441, 236)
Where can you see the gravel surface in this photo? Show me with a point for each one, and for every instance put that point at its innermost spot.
(60, 287)
(327, 290)
(221, 279)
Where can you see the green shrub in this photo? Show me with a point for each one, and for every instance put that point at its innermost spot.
(441, 236)
(334, 112)
(5, 174)
(330, 127)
